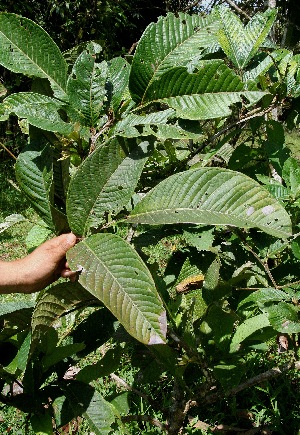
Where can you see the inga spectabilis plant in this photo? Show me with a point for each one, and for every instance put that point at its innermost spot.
(172, 170)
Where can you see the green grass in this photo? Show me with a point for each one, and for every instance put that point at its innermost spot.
(292, 140)
(12, 241)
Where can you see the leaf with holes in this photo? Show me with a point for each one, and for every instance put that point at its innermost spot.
(40, 111)
(113, 272)
(213, 196)
(86, 88)
(105, 182)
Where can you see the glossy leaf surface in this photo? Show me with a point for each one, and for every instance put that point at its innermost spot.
(172, 41)
(241, 43)
(26, 48)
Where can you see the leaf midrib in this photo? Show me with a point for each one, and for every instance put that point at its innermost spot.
(51, 80)
(186, 209)
(153, 78)
(119, 285)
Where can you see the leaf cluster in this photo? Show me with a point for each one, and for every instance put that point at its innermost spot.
(174, 173)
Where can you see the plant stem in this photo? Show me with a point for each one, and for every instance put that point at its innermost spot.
(8, 151)
(146, 418)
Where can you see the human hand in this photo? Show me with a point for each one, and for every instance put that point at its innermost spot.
(40, 268)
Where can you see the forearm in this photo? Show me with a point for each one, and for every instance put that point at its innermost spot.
(13, 277)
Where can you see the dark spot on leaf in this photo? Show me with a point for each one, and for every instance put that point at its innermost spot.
(183, 21)
(175, 211)
(120, 187)
(136, 272)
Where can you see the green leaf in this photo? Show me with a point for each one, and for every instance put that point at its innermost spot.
(53, 304)
(263, 296)
(119, 71)
(34, 175)
(108, 364)
(113, 272)
(133, 120)
(230, 375)
(213, 196)
(284, 318)
(61, 353)
(40, 111)
(86, 401)
(172, 41)
(212, 275)
(20, 360)
(11, 307)
(26, 48)
(246, 329)
(37, 235)
(10, 221)
(104, 183)
(241, 43)
(42, 424)
(86, 90)
(221, 324)
(291, 175)
(204, 94)
(22, 355)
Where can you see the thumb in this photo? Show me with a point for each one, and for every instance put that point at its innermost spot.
(58, 246)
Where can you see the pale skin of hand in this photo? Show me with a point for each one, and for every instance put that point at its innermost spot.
(40, 268)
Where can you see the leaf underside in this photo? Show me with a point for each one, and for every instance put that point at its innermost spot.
(213, 196)
(113, 272)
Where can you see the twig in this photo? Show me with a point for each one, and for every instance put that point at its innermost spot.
(211, 139)
(278, 287)
(132, 47)
(239, 10)
(121, 382)
(146, 418)
(269, 374)
(95, 136)
(8, 151)
(265, 265)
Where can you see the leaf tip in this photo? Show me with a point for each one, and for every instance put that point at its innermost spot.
(160, 339)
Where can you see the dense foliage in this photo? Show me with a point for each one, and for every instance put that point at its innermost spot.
(174, 172)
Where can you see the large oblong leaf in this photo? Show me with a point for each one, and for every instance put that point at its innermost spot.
(34, 172)
(113, 272)
(40, 111)
(172, 41)
(105, 182)
(86, 90)
(213, 196)
(246, 329)
(119, 70)
(53, 304)
(26, 48)
(206, 93)
(241, 43)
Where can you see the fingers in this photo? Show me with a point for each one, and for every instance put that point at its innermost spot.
(58, 246)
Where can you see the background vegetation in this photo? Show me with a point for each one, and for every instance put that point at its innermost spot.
(231, 359)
